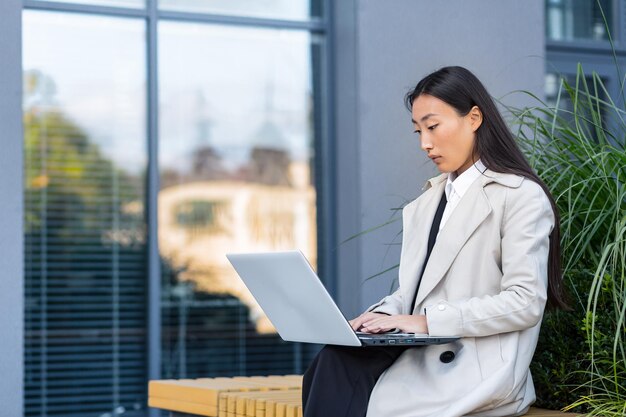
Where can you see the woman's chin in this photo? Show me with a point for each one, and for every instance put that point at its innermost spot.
(444, 169)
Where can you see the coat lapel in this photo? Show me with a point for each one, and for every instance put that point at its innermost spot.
(471, 211)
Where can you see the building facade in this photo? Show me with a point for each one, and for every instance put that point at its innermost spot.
(143, 140)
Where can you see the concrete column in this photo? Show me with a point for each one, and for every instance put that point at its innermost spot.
(11, 211)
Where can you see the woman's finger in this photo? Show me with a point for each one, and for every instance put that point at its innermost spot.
(382, 324)
(357, 322)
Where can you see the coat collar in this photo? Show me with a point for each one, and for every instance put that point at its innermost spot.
(471, 211)
(489, 176)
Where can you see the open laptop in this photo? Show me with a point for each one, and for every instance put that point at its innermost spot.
(294, 299)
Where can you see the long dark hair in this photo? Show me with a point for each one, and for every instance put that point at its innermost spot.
(495, 146)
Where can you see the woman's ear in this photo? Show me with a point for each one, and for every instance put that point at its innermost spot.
(475, 117)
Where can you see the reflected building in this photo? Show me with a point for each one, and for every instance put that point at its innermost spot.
(206, 210)
(269, 161)
(200, 221)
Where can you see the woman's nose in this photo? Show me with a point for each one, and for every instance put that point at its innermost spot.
(426, 145)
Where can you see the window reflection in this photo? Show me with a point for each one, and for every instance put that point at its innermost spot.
(236, 154)
(578, 19)
(85, 265)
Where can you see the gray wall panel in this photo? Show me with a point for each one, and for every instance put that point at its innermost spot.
(11, 238)
(501, 41)
(346, 135)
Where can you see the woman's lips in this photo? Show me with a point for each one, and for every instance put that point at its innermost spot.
(436, 159)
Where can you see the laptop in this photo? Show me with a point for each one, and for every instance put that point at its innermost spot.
(294, 299)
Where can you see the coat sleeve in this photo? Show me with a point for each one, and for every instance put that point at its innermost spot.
(391, 304)
(527, 222)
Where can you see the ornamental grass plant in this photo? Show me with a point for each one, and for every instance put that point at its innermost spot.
(577, 145)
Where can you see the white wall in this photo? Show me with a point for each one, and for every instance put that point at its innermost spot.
(382, 53)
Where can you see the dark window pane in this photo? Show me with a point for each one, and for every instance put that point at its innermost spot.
(568, 20)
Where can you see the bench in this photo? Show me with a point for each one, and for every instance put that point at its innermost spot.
(271, 396)
(257, 396)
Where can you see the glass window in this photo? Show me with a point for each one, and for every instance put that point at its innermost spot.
(235, 156)
(135, 4)
(275, 9)
(568, 20)
(85, 263)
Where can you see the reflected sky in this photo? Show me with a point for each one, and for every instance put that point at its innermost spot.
(232, 89)
(95, 72)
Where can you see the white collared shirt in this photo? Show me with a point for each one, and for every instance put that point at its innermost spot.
(456, 187)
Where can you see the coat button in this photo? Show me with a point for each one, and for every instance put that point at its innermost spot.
(441, 307)
(447, 356)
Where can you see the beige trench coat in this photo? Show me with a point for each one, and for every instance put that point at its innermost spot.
(486, 281)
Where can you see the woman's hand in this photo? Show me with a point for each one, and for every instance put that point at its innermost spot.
(357, 323)
(377, 323)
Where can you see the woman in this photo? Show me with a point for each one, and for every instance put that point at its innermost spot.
(480, 258)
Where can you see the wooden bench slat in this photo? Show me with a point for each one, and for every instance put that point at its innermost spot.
(206, 391)
(261, 396)
(182, 406)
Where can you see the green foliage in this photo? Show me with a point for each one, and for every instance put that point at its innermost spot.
(578, 147)
(561, 351)
(66, 171)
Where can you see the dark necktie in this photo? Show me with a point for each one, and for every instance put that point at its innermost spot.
(434, 229)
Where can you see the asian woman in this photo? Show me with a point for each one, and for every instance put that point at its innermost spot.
(480, 260)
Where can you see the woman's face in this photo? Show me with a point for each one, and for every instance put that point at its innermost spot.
(446, 137)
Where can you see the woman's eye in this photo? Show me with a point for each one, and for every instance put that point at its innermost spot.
(432, 127)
